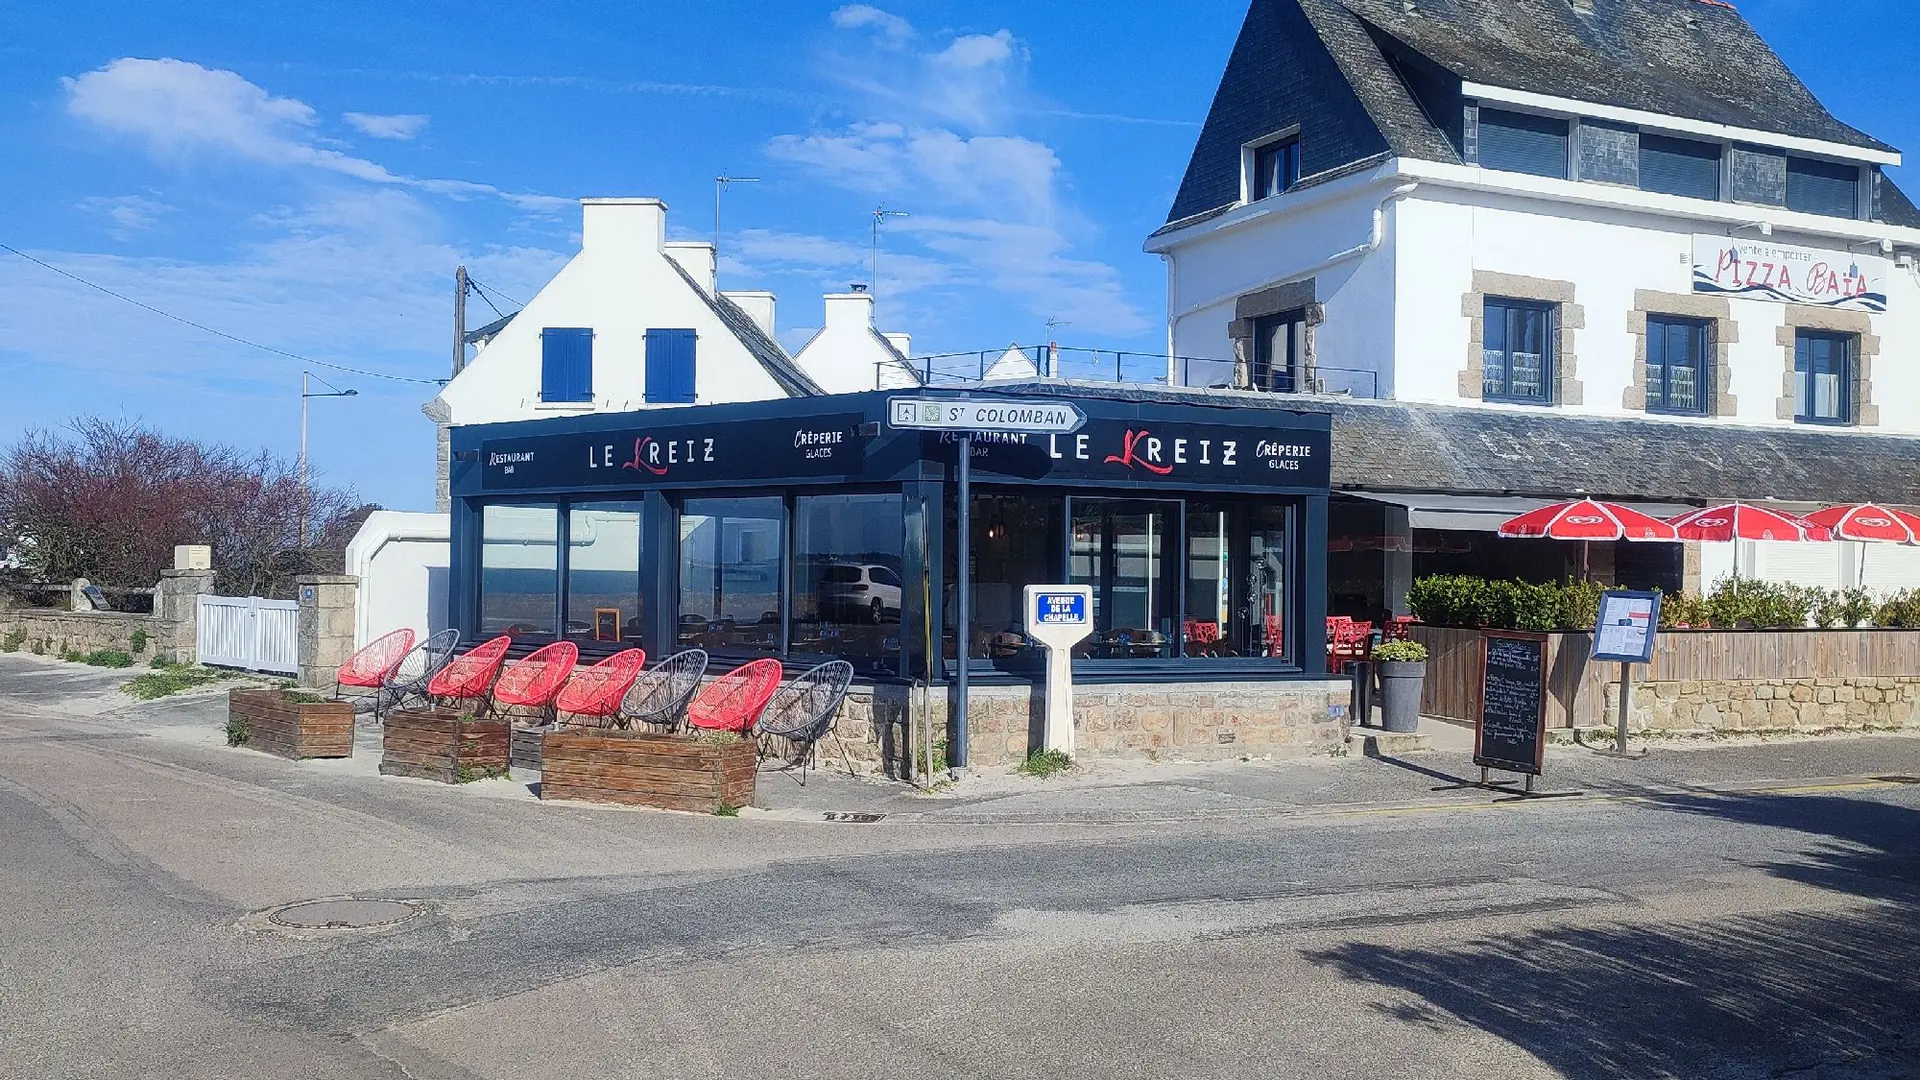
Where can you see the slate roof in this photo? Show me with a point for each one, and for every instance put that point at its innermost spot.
(1683, 58)
(763, 348)
(1404, 447)
(1697, 59)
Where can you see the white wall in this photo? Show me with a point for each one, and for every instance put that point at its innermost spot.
(401, 561)
(846, 356)
(620, 284)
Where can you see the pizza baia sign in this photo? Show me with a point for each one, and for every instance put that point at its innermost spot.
(1763, 270)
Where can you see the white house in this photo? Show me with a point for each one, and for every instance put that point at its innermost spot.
(847, 355)
(633, 321)
(1549, 249)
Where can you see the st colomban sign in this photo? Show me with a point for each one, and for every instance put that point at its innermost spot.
(985, 414)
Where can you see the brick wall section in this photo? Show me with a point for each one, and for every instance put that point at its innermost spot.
(879, 726)
(1279, 75)
(1773, 704)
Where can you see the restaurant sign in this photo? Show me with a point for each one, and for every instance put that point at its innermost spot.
(1758, 269)
(1153, 452)
(659, 454)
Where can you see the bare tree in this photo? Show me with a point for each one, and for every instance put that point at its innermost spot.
(108, 500)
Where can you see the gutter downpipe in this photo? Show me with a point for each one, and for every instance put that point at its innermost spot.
(1374, 240)
(1173, 271)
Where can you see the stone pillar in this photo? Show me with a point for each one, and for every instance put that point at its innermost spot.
(176, 604)
(327, 605)
(442, 417)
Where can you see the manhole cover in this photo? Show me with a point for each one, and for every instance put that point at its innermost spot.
(342, 914)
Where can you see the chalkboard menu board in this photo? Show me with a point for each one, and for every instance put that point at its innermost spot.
(1511, 734)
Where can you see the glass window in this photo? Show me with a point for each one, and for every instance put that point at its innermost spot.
(1268, 533)
(1679, 166)
(847, 587)
(1278, 341)
(1016, 543)
(1676, 365)
(1519, 352)
(730, 555)
(519, 570)
(1126, 550)
(603, 572)
(1822, 377)
(1276, 167)
(1209, 627)
(1521, 142)
(1829, 188)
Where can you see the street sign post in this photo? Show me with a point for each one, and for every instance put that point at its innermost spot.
(1059, 617)
(965, 416)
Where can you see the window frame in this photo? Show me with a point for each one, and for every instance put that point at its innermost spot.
(1549, 356)
(1258, 365)
(1849, 357)
(561, 391)
(1800, 162)
(1288, 152)
(561, 529)
(1703, 366)
(1677, 141)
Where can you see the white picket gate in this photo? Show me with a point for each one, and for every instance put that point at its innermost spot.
(251, 633)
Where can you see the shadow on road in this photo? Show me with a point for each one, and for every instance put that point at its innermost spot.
(1804, 994)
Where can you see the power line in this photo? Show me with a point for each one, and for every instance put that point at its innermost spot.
(496, 292)
(220, 333)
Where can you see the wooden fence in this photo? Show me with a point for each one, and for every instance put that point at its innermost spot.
(1576, 686)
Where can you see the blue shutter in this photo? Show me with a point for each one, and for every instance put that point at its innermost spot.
(566, 363)
(1679, 166)
(1519, 142)
(1823, 187)
(670, 366)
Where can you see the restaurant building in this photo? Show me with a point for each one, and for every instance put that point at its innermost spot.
(809, 529)
(1542, 249)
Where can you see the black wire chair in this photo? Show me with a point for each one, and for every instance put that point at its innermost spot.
(806, 709)
(659, 697)
(409, 680)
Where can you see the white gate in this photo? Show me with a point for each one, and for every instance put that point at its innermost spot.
(251, 633)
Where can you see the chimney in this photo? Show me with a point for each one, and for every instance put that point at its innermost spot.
(850, 310)
(696, 258)
(758, 306)
(623, 224)
(902, 342)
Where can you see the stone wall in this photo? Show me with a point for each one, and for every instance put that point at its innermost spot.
(53, 633)
(1772, 704)
(879, 726)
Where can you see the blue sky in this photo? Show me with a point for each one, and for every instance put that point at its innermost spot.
(308, 175)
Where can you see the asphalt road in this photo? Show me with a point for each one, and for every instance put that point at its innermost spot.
(1691, 933)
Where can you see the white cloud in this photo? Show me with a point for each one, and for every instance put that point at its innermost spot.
(893, 29)
(400, 126)
(179, 109)
(124, 215)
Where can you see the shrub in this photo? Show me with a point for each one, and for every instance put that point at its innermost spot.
(1899, 611)
(1457, 600)
(1046, 763)
(137, 641)
(112, 658)
(1401, 652)
(238, 732)
(13, 641)
(1855, 606)
(1683, 610)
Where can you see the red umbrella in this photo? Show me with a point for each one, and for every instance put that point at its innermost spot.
(1738, 521)
(1588, 520)
(1870, 522)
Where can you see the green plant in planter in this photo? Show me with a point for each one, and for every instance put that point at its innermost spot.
(1400, 652)
(1854, 606)
(1900, 611)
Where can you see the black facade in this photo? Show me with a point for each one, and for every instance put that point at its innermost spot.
(809, 528)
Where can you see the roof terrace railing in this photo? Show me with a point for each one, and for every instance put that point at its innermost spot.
(1075, 363)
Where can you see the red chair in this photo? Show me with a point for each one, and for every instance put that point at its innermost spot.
(1398, 628)
(534, 682)
(467, 676)
(1347, 640)
(1274, 644)
(369, 668)
(1203, 637)
(734, 701)
(597, 691)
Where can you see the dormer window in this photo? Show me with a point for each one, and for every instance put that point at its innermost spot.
(1275, 168)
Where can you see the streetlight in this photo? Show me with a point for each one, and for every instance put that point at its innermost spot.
(305, 393)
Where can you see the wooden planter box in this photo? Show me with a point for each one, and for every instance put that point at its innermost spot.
(671, 772)
(439, 744)
(292, 729)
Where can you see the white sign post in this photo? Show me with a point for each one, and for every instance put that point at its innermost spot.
(1059, 617)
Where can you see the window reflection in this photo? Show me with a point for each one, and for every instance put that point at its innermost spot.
(1267, 579)
(848, 578)
(730, 554)
(1016, 543)
(1209, 627)
(603, 572)
(1120, 548)
(519, 569)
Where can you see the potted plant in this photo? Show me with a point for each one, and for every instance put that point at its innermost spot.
(1403, 667)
